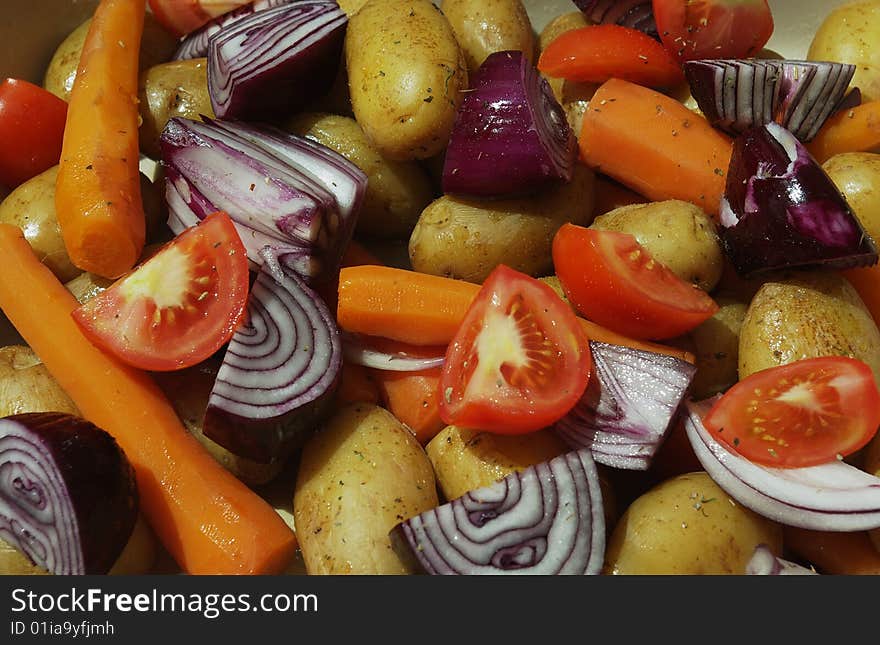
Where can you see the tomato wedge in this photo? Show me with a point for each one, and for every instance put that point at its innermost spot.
(183, 16)
(597, 53)
(612, 280)
(806, 413)
(713, 28)
(519, 361)
(178, 307)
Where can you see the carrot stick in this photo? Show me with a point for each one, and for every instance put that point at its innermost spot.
(605, 335)
(867, 283)
(98, 195)
(208, 520)
(654, 145)
(414, 308)
(855, 130)
(412, 397)
(356, 385)
(834, 553)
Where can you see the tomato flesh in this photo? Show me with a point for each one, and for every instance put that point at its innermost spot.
(519, 362)
(806, 413)
(612, 280)
(178, 307)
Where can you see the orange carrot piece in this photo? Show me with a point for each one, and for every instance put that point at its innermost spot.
(98, 195)
(413, 398)
(867, 282)
(604, 335)
(356, 385)
(654, 145)
(854, 130)
(411, 307)
(207, 519)
(832, 553)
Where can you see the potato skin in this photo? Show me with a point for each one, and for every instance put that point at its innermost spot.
(467, 239)
(806, 316)
(482, 27)
(397, 191)
(857, 175)
(716, 344)
(687, 526)
(27, 386)
(675, 233)
(359, 477)
(406, 73)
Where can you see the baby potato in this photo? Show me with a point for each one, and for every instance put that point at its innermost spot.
(168, 90)
(688, 526)
(27, 386)
(807, 315)
(849, 34)
(482, 27)
(560, 24)
(857, 176)
(397, 191)
(467, 239)
(675, 233)
(406, 73)
(86, 286)
(359, 477)
(716, 342)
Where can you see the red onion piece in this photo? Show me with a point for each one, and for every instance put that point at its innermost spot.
(831, 497)
(628, 407)
(68, 498)
(636, 14)
(358, 352)
(781, 210)
(272, 62)
(279, 372)
(764, 563)
(738, 94)
(510, 136)
(544, 520)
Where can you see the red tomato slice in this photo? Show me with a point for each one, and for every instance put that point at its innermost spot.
(713, 28)
(519, 361)
(612, 280)
(31, 131)
(597, 53)
(180, 17)
(805, 413)
(178, 307)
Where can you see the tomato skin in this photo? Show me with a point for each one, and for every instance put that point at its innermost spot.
(178, 307)
(181, 17)
(31, 129)
(802, 414)
(612, 280)
(713, 28)
(514, 318)
(597, 53)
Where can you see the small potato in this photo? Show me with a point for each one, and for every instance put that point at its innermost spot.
(397, 191)
(86, 286)
(675, 233)
(805, 316)
(857, 175)
(27, 386)
(358, 478)
(157, 46)
(467, 239)
(716, 342)
(482, 27)
(561, 24)
(687, 526)
(168, 90)
(849, 34)
(406, 73)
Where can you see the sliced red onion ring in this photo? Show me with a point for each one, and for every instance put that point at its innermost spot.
(279, 372)
(636, 14)
(68, 498)
(544, 520)
(510, 136)
(764, 563)
(628, 407)
(831, 497)
(274, 61)
(358, 352)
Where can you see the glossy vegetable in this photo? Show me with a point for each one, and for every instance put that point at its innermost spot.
(519, 360)
(546, 519)
(177, 308)
(780, 209)
(510, 136)
(483, 27)
(183, 16)
(69, 501)
(390, 357)
(637, 14)
(414, 399)
(273, 61)
(853, 130)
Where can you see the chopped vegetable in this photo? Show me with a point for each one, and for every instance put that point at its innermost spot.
(638, 14)
(654, 145)
(68, 498)
(601, 334)
(765, 563)
(853, 130)
(369, 353)
(356, 385)
(510, 136)
(414, 399)
(781, 209)
(867, 283)
(835, 553)
(207, 520)
(183, 16)
(597, 53)
(628, 407)
(98, 191)
(519, 360)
